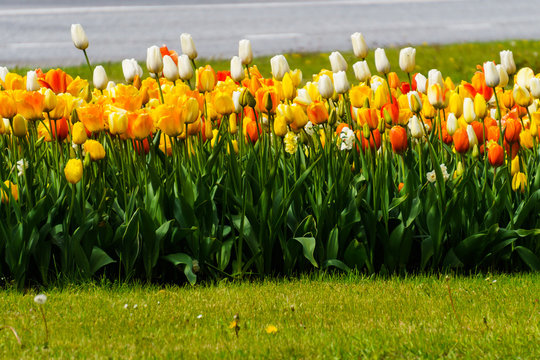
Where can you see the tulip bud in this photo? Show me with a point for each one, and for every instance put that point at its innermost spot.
(451, 124)
(491, 74)
(78, 133)
(78, 36)
(455, 104)
(415, 103)
(131, 68)
(415, 127)
(31, 81)
(188, 46)
(170, 69)
(73, 171)
(154, 61)
(507, 61)
(468, 110)
(360, 48)
(473, 140)
(361, 71)
(435, 77)
(244, 52)
(337, 61)
(523, 77)
(407, 59)
(279, 67)
(100, 78)
(503, 76)
(19, 126)
(365, 131)
(341, 83)
(332, 117)
(522, 96)
(184, 68)
(480, 106)
(325, 86)
(247, 99)
(233, 125)
(381, 61)
(475, 153)
(237, 71)
(534, 85)
(3, 72)
(421, 83)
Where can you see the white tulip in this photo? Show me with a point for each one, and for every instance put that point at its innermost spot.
(381, 61)
(341, 84)
(184, 67)
(325, 86)
(421, 83)
(361, 71)
(360, 48)
(100, 78)
(524, 75)
(435, 77)
(468, 110)
(188, 46)
(237, 71)
(279, 67)
(154, 61)
(337, 61)
(170, 69)
(3, 72)
(131, 68)
(244, 51)
(451, 124)
(473, 140)
(31, 81)
(407, 59)
(78, 36)
(534, 85)
(507, 61)
(503, 76)
(236, 100)
(417, 131)
(302, 97)
(491, 74)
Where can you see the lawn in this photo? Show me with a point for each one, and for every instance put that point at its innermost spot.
(492, 316)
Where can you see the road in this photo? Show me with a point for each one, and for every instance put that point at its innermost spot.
(33, 33)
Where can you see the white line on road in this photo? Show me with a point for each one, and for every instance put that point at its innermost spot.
(144, 8)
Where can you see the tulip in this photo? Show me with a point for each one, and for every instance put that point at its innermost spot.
(461, 140)
(78, 36)
(280, 126)
(398, 139)
(94, 149)
(359, 45)
(468, 110)
(522, 96)
(188, 46)
(503, 76)
(118, 122)
(8, 107)
(50, 101)
(3, 72)
(140, 125)
(13, 188)
(190, 110)
(31, 81)
(154, 61)
(495, 155)
(381, 61)
(170, 69)
(512, 131)
(519, 182)
(337, 61)
(206, 79)
(317, 113)
(407, 59)
(507, 61)
(415, 103)
(435, 96)
(523, 77)
(480, 106)
(473, 140)
(131, 68)
(325, 87)
(417, 131)
(534, 85)
(236, 95)
(223, 103)
(73, 171)
(100, 78)
(237, 71)
(289, 89)
(184, 68)
(244, 51)
(361, 71)
(279, 67)
(19, 126)
(341, 83)
(451, 124)
(435, 77)
(421, 83)
(78, 133)
(491, 74)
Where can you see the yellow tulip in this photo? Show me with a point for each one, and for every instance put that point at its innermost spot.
(289, 90)
(14, 191)
(78, 133)
(94, 149)
(19, 126)
(73, 171)
(280, 126)
(519, 182)
(223, 103)
(8, 107)
(526, 139)
(456, 104)
(480, 106)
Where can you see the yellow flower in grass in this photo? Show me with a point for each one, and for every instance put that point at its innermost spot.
(94, 149)
(73, 171)
(271, 329)
(519, 182)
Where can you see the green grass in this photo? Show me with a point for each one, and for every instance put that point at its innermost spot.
(456, 60)
(336, 317)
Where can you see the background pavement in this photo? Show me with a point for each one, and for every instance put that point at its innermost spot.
(33, 33)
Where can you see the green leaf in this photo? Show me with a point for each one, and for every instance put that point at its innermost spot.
(99, 259)
(308, 245)
(336, 263)
(183, 259)
(528, 258)
(332, 247)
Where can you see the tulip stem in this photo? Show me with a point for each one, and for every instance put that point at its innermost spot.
(88, 62)
(410, 81)
(389, 90)
(247, 69)
(159, 87)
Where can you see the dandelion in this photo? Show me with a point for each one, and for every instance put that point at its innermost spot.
(41, 299)
(271, 329)
(291, 143)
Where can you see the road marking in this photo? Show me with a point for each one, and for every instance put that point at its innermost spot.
(145, 8)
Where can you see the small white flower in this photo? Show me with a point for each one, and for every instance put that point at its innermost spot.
(347, 138)
(21, 166)
(444, 171)
(199, 316)
(494, 281)
(431, 176)
(159, 302)
(135, 306)
(125, 306)
(308, 128)
(40, 299)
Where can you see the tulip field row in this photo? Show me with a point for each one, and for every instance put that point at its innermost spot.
(181, 172)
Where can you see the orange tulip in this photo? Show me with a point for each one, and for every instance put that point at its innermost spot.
(496, 155)
(91, 115)
(478, 131)
(374, 142)
(253, 129)
(140, 125)
(461, 140)
(29, 104)
(513, 128)
(367, 116)
(14, 191)
(8, 106)
(56, 80)
(317, 113)
(267, 100)
(398, 139)
(167, 118)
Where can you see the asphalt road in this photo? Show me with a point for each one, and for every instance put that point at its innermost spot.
(33, 33)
